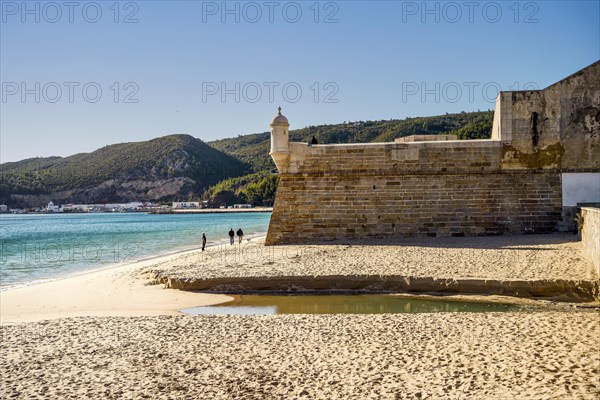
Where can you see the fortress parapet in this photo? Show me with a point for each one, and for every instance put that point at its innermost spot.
(540, 166)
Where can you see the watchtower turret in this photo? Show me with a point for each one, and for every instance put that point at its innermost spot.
(280, 141)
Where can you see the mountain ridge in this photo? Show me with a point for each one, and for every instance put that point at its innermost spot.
(163, 168)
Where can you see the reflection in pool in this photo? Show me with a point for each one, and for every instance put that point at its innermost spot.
(344, 304)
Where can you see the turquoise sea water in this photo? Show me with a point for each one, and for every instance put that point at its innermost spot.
(38, 247)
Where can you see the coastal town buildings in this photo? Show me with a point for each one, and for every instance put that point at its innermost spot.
(186, 204)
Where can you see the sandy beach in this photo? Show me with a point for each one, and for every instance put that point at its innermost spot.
(556, 256)
(116, 334)
(545, 266)
(107, 292)
(394, 356)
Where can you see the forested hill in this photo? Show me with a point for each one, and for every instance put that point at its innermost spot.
(169, 167)
(254, 148)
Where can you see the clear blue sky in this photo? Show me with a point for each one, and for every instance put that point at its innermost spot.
(374, 57)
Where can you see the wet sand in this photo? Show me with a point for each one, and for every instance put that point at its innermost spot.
(107, 292)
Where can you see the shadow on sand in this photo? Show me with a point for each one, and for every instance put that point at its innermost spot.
(504, 242)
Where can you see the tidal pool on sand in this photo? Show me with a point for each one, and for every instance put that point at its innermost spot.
(344, 304)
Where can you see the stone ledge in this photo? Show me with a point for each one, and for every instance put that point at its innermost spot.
(557, 290)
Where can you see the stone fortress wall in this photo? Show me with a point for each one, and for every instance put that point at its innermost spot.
(542, 142)
(590, 235)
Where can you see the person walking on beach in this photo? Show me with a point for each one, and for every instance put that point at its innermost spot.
(240, 234)
(231, 236)
(203, 241)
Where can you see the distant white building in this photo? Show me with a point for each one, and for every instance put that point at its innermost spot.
(3, 208)
(82, 207)
(242, 206)
(52, 208)
(132, 205)
(186, 204)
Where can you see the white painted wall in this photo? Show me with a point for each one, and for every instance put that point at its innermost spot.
(580, 187)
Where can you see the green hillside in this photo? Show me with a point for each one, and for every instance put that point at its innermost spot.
(257, 189)
(139, 168)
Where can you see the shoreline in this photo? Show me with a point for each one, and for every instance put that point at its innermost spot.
(176, 253)
(111, 291)
(158, 212)
(214, 210)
